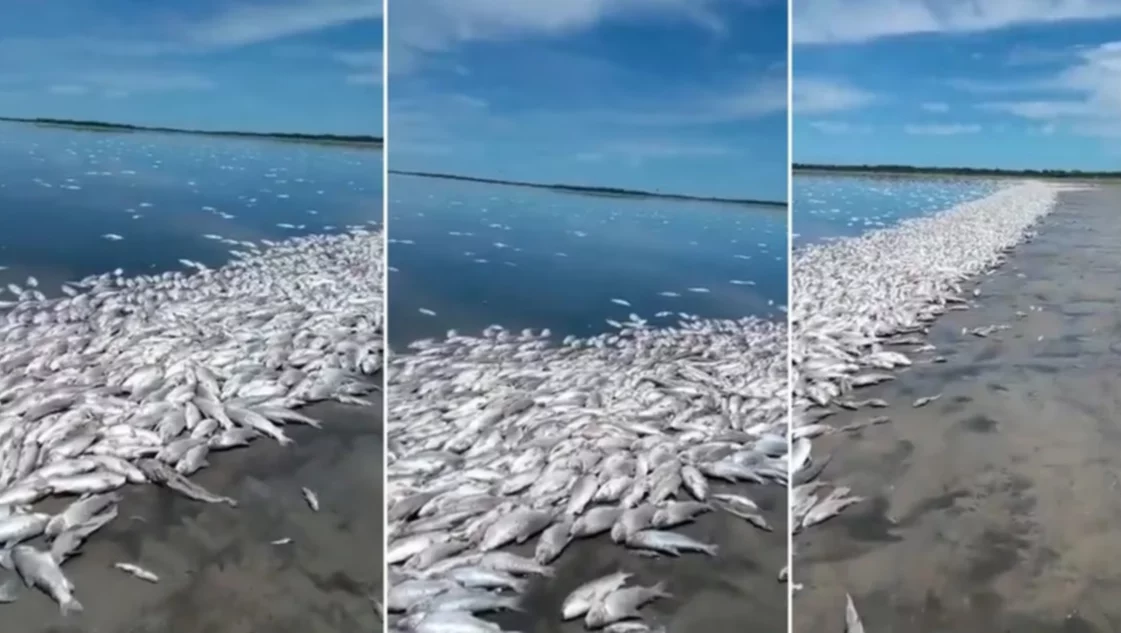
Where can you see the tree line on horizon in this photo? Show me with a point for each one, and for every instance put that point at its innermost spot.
(350, 138)
(957, 171)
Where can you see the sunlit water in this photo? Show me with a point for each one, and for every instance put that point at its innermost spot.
(841, 206)
(62, 191)
(478, 254)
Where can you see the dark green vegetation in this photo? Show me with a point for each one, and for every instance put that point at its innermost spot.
(911, 170)
(595, 191)
(101, 126)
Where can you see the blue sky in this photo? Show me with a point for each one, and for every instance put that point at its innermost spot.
(258, 65)
(684, 96)
(1009, 83)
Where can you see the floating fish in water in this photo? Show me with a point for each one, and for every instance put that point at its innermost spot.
(622, 302)
(427, 312)
(113, 237)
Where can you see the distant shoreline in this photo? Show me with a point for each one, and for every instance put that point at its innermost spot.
(595, 191)
(967, 172)
(357, 140)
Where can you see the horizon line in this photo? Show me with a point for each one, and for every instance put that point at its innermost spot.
(589, 189)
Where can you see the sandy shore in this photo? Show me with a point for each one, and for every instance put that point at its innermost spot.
(735, 591)
(218, 572)
(998, 506)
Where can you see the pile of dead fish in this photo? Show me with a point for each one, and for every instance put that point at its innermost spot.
(123, 380)
(852, 298)
(510, 438)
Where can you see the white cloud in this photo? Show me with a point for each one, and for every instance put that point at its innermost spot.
(839, 127)
(636, 153)
(846, 21)
(428, 26)
(67, 89)
(368, 64)
(756, 98)
(935, 106)
(942, 129)
(814, 95)
(1086, 95)
(250, 23)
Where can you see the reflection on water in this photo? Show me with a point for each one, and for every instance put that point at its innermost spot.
(841, 206)
(476, 254)
(62, 190)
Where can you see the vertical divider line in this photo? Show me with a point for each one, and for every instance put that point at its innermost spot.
(382, 614)
(789, 307)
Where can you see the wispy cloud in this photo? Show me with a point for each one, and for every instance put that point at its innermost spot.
(935, 106)
(1086, 95)
(636, 153)
(423, 27)
(815, 95)
(251, 23)
(840, 127)
(850, 21)
(366, 65)
(941, 129)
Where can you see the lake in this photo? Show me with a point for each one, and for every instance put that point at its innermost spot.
(477, 254)
(62, 190)
(842, 206)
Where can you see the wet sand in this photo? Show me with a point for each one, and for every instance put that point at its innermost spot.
(218, 572)
(998, 506)
(735, 591)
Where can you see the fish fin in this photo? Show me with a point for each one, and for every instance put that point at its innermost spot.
(70, 606)
(660, 590)
(711, 550)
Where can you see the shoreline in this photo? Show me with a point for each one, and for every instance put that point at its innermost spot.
(965, 496)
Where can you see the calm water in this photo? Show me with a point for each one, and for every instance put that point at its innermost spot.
(841, 206)
(477, 254)
(62, 190)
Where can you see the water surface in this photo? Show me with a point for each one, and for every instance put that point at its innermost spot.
(844, 206)
(478, 254)
(62, 190)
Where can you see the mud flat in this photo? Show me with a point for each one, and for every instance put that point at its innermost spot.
(996, 507)
(734, 591)
(218, 571)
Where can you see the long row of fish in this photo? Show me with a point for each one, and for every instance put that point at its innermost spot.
(128, 380)
(511, 438)
(853, 298)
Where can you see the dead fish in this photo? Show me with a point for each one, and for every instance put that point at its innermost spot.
(137, 571)
(39, 569)
(281, 541)
(622, 605)
(311, 498)
(581, 600)
(670, 543)
(852, 618)
(925, 400)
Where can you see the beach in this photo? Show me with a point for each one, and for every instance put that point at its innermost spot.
(218, 571)
(995, 507)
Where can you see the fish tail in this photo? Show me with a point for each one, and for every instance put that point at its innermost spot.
(659, 590)
(70, 605)
(711, 550)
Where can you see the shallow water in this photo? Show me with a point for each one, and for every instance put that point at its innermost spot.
(996, 507)
(841, 206)
(62, 190)
(477, 254)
